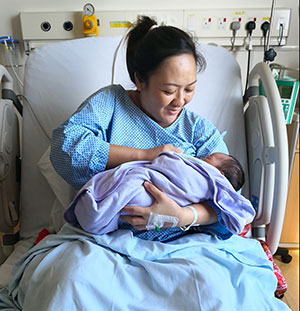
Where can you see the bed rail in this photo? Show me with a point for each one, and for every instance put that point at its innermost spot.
(9, 164)
(7, 89)
(261, 72)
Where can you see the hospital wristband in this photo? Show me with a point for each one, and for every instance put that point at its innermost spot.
(185, 228)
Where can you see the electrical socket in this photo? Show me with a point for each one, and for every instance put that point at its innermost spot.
(282, 20)
(221, 24)
(206, 23)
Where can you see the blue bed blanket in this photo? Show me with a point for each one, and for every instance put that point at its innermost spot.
(74, 270)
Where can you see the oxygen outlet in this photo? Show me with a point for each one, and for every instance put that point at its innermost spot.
(68, 25)
(45, 26)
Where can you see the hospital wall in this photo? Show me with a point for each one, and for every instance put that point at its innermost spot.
(287, 55)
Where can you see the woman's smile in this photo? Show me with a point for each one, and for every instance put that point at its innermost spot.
(174, 111)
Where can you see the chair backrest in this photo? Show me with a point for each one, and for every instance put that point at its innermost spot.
(59, 76)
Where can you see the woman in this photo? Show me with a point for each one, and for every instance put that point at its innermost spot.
(114, 126)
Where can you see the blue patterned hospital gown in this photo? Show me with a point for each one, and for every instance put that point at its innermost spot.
(80, 146)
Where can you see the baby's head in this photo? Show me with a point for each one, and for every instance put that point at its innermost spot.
(229, 166)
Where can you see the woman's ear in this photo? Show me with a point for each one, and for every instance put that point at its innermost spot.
(138, 83)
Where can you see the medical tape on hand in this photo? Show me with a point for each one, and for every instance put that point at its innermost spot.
(157, 221)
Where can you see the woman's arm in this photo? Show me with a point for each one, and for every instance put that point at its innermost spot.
(121, 154)
(80, 147)
(163, 205)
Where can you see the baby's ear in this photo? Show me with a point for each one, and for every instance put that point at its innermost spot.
(222, 172)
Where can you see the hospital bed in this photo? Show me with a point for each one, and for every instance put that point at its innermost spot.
(59, 76)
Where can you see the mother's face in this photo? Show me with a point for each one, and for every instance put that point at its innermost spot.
(169, 89)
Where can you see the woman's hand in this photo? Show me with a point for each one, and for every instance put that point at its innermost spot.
(121, 154)
(162, 205)
(151, 154)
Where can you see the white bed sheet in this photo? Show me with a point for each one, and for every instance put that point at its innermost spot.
(195, 272)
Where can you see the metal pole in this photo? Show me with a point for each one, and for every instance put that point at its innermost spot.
(271, 21)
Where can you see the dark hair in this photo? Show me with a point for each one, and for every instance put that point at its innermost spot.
(147, 49)
(233, 171)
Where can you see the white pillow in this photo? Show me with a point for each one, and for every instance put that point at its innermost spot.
(64, 193)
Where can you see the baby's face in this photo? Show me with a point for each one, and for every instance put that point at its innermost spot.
(215, 159)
